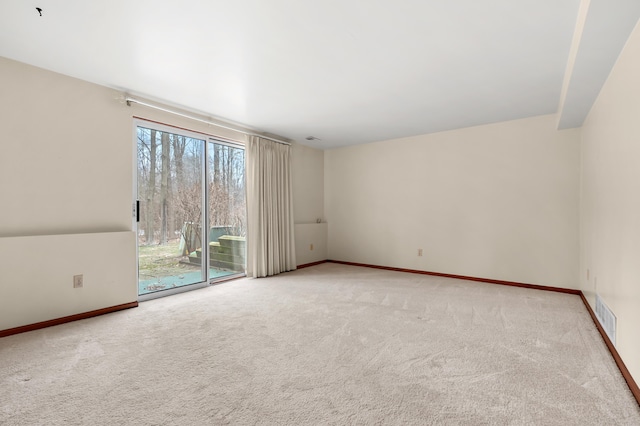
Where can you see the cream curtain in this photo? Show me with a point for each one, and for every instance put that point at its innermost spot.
(270, 239)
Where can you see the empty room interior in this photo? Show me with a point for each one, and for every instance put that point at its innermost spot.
(413, 212)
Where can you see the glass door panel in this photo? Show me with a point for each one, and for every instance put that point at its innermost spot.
(171, 220)
(227, 209)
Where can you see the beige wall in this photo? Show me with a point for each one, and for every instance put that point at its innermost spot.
(498, 201)
(36, 275)
(610, 201)
(308, 195)
(65, 170)
(66, 179)
(311, 242)
(66, 155)
(308, 184)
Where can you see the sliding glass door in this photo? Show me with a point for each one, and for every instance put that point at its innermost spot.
(191, 214)
(226, 209)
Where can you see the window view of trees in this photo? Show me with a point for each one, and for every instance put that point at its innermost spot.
(227, 205)
(170, 190)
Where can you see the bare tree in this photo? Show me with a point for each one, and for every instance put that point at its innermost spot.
(147, 188)
(164, 188)
(178, 145)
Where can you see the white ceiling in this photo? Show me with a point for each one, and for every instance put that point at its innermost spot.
(345, 71)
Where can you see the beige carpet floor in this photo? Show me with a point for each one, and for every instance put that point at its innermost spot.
(330, 344)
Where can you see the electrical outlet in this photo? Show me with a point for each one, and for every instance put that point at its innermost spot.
(311, 247)
(419, 252)
(78, 281)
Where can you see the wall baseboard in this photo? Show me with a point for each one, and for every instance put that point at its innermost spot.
(63, 320)
(463, 277)
(633, 386)
(306, 265)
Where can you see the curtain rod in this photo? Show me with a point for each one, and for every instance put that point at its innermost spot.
(129, 99)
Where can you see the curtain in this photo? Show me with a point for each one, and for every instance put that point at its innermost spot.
(270, 238)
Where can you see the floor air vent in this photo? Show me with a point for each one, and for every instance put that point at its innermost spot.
(606, 318)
